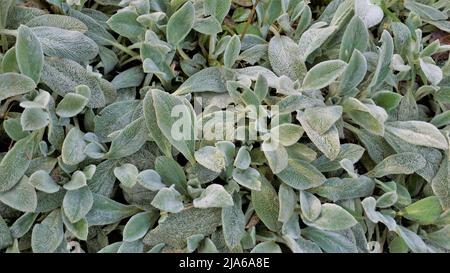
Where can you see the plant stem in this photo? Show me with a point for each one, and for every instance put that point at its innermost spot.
(183, 54)
(389, 13)
(134, 58)
(4, 43)
(6, 106)
(11, 32)
(274, 30)
(212, 47)
(148, 79)
(351, 128)
(250, 19)
(123, 48)
(410, 59)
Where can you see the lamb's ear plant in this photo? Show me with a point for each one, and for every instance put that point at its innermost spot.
(224, 126)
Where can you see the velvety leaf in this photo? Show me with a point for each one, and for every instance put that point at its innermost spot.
(277, 156)
(285, 58)
(127, 174)
(34, 119)
(404, 163)
(249, 178)
(322, 118)
(183, 140)
(58, 42)
(301, 175)
(310, 205)
(211, 158)
(440, 237)
(313, 38)
(431, 155)
(233, 222)
(23, 224)
(211, 79)
(369, 13)
(328, 143)
(348, 151)
(214, 196)
(176, 228)
(384, 59)
(71, 105)
(29, 54)
(243, 159)
(150, 179)
(333, 217)
(79, 229)
(425, 11)
(42, 181)
(125, 24)
(59, 21)
(13, 84)
(180, 24)
(64, 75)
(73, 147)
(131, 77)
(368, 116)
(441, 184)
(106, 211)
(168, 199)
(426, 210)
(77, 203)
(171, 173)
(265, 202)
(386, 99)
(418, 133)
(232, 51)
(217, 8)
(412, 240)
(266, 247)
(356, 38)
(77, 181)
(336, 189)
(329, 241)
(208, 25)
(21, 197)
(16, 162)
(323, 74)
(114, 117)
(138, 225)
(286, 134)
(48, 235)
(353, 74)
(287, 199)
(128, 140)
(369, 205)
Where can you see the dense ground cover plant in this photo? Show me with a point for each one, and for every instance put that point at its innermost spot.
(339, 114)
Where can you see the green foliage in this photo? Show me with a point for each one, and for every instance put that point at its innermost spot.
(224, 126)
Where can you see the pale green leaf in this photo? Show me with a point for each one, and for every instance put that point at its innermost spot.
(77, 203)
(214, 196)
(138, 225)
(323, 74)
(233, 222)
(29, 54)
(21, 197)
(180, 24)
(266, 204)
(168, 199)
(127, 174)
(13, 84)
(285, 57)
(42, 181)
(301, 175)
